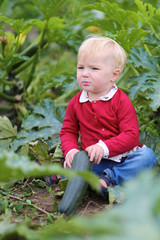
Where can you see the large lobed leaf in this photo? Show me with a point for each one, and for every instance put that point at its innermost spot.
(128, 38)
(153, 142)
(114, 12)
(7, 133)
(148, 81)
(18, 25)
(124, 19)
(140, 58)
(149, 84)
(49, 7)
(42, 123)
(146, 11)
(39, 149)
(14, 166)
(40, 152)
(6, 129)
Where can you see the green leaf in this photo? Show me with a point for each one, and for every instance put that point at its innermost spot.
(56, 82)
(148, 81)
(18, 25)
(43, 116)
(149, 84)
(146, 11)
(39, 149)
(112, 11)
(3, 205)
(7, 131)
(49, 7)
(46, 133)
(10, 47)
(19, 206)
(141, 59)
(63, 184)
(151, 141)
(116, 194)
(54, 28)
(60, 193)
(53, 142)
(128, 38)
(66, 82)
(15, 167)
(152, 40)
(58, 154)
(14, 59)
(28, 201)
(41, 124)
(39, 24)
(5, 143)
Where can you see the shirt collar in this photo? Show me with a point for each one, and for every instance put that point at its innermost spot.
(84, 95)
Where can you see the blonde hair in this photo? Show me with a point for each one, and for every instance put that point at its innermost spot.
(94, 44)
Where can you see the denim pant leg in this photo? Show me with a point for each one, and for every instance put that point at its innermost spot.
(143, 158)
(98, 169)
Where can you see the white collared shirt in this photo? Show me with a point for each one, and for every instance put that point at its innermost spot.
(84, 95)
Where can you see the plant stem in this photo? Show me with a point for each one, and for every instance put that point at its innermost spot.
(43, 35)
(124, 89)
(9, 83)
(136, 73)
(7, 97)
(36, 57)
(147, 49)
(2, 107)
(123, 79)
(152, 28)
(150, 54)
(25, 203)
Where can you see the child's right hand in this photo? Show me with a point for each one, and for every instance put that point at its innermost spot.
(69, 159)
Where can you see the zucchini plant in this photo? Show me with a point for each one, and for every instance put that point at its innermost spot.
(19, 56)
(26, 47)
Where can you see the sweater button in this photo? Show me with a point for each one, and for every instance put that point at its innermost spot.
(95, 117)
(94, 101)
(102, 129)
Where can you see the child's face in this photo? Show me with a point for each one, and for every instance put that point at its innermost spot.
(96, 74)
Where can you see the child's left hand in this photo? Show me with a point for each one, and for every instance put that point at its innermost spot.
(95, 152)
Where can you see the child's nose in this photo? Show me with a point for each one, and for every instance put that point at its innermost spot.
(85, 72)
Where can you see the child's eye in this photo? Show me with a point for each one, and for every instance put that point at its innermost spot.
(94, 68)
(80, 67)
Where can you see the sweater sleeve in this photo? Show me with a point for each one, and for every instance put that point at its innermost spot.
(70, 129)
(128, 136)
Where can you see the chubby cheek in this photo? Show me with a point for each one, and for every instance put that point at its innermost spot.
(79, 75)
(79, 79)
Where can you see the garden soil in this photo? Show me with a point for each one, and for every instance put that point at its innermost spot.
(46, 199)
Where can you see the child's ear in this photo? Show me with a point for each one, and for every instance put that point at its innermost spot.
(116, 74)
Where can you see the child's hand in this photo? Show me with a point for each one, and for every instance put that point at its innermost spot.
(95, 152)
(69, 159)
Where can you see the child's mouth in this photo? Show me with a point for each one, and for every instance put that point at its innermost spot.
(86, 83)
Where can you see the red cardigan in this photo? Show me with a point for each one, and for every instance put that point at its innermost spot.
(113, 121)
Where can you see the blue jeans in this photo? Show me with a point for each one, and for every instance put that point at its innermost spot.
(114, 173)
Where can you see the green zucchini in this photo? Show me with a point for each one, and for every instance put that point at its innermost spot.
(77, 186)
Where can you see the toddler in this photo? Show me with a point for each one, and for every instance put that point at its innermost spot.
(104, 117)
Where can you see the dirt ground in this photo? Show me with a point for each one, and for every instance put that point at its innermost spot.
(46, 199)
(90, 203)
